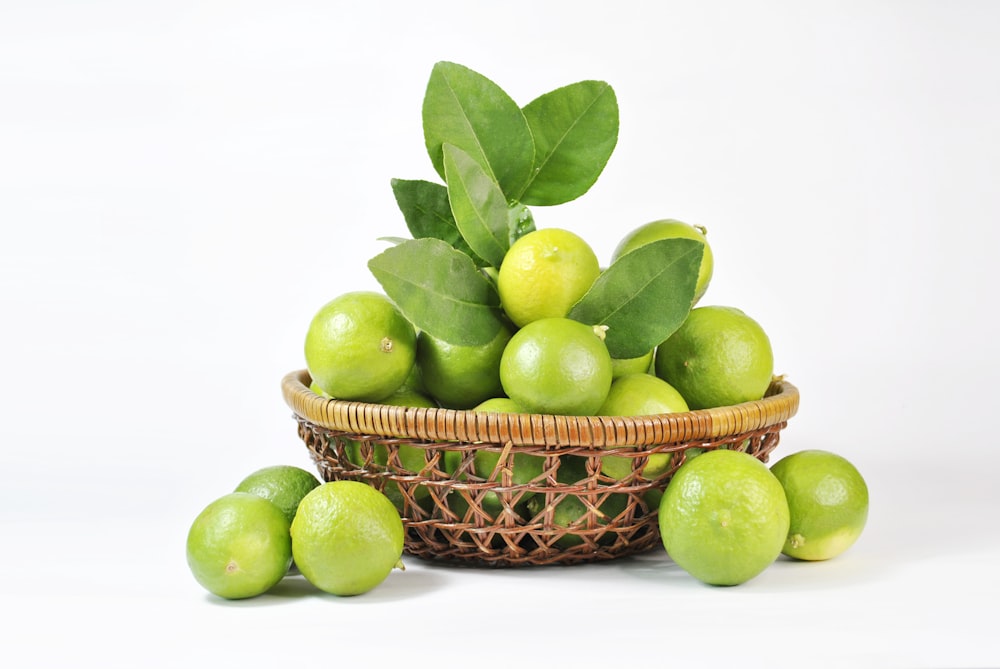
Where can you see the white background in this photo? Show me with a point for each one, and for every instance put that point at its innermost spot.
(183, 184)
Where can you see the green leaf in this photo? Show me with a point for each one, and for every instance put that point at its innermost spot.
(478, 206)
(427, 213)
(440, 290)
(575, 129)
(643, 296)
(520, 222)
(463, 108)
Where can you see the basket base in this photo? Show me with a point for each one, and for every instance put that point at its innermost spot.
(453, 517)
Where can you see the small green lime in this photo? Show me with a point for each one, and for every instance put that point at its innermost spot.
(282, 485)
(719, 356)
(557, 366)
(828, 502)
(723, 517)
(347, 537)
(639, 395)
(359, 346)
(460, 377)
(575, 512)
(640, 365)
(239, 546)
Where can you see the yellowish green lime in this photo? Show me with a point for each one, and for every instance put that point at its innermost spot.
(718, 357)
(828, 502)
(669, 229)
(239, 546)
(347, 537)
(359, 346)
(544, 273)
(723, 517)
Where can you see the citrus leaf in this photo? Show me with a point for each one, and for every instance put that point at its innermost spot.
(464, 108)
(478, 206)
(643, 296)
(575, 130)
(520, 222)
(427, 213)
(440, 290)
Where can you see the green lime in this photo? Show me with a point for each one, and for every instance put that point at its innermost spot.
(239, 546)
(544, 273)
(347, 537)
(557, 366)
(640, 365)
(718, 357)
(282, 485)
(359, 346)
(828, 502)
(460, 377)
(498, 405)
(410, 458)
(575, 512)
(524, 467)
(669, 229)
(639, 395)
(723, 517)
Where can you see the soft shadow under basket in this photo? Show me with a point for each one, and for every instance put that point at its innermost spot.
(568, 512)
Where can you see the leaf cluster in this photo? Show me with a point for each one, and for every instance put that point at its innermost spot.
(496, 159)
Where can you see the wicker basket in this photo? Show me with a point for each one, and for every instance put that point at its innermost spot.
(451, 514)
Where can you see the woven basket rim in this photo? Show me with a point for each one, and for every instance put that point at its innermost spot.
(438, 424)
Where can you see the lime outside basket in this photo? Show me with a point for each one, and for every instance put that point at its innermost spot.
(568, 513)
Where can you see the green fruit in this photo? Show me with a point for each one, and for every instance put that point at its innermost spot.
(723, 517)
(239, 546)
(718, 357)
(460, 377)
(639, 395)
(346, 537)
(669, 229)
(827, 500)
(359, 346)
(544, 273)
(282, 485)
(557, 366)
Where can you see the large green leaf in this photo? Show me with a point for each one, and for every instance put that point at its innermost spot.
(440, 290)
(427, 212)
(575, 130)
(478, 206)
(463, 108)
(643, 296)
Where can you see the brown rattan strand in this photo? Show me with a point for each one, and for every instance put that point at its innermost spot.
(780, 404)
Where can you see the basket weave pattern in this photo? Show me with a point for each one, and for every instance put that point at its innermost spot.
(453, 515)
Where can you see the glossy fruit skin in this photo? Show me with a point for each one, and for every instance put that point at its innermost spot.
(639, 394)
(460, 377)
(723, 517)
(718, 357)
(347, 537)
(239, 546)
(556, 366)
(544, 273)
(359, 346)
(282, 485)
(828, 501)
(668, 229)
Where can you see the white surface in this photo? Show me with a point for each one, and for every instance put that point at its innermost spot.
(183, 184)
